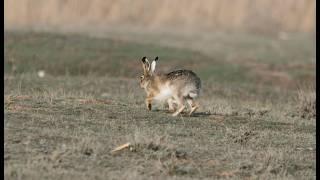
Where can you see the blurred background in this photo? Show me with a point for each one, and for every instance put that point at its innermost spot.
(264, 16)
(258, 43)
(270, 41)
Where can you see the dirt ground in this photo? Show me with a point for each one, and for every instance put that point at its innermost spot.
(71, 99)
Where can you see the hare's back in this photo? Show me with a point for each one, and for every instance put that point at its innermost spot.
(184, 78)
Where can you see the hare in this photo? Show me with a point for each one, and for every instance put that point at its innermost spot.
(176, 87)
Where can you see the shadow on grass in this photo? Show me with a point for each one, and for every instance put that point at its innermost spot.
(185, 113)
(201, 114)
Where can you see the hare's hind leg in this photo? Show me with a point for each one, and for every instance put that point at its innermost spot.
(181, 106)
(193, 105)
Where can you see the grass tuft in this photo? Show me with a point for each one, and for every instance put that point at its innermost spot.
(306, 104)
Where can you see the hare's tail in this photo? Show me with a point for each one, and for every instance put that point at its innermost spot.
(192, 95)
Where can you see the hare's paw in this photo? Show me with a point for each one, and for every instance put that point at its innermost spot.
(193, 109)
(148, 103)
(179, 111)
(175, 114)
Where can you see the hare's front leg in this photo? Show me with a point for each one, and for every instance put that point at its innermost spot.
(170, 102)
(148, 102)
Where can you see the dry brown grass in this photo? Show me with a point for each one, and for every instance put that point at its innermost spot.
(306, 103)
(64, 125)
(262, 15)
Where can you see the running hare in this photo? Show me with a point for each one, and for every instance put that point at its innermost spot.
(175, 87)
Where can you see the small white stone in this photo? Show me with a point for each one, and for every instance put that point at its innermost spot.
(41, 73)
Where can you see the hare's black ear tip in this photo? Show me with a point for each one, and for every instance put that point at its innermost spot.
(144, 59)
(156, 58)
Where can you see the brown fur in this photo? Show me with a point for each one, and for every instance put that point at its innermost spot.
(177, 87)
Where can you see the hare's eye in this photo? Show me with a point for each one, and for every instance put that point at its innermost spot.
(141, 77)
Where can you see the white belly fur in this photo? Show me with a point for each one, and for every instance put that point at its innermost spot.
(165, 93)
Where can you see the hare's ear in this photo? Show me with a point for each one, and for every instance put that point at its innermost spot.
(144, 60)
(145, 64)
(153, 64)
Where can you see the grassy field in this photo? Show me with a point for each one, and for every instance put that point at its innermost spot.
(256, 120)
